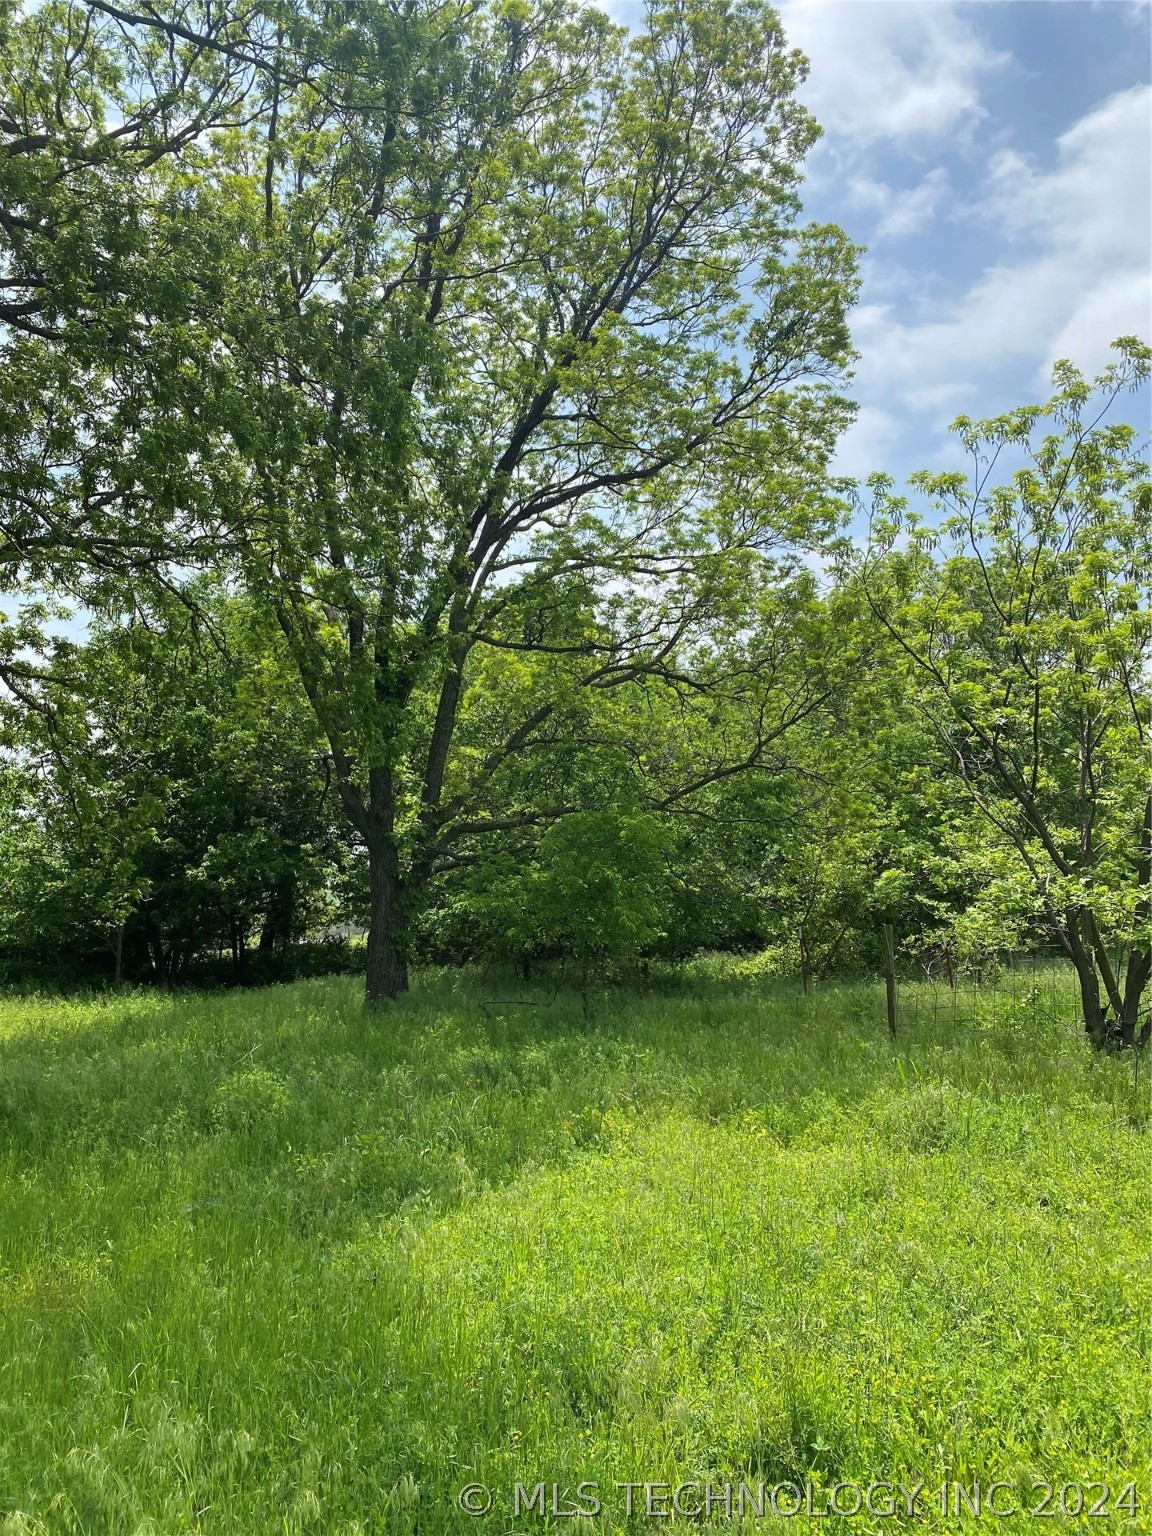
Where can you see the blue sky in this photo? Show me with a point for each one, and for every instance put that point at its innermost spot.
(994, 158)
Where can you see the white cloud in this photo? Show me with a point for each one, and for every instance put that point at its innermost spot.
(900, 213)
(1080, 235)
(889, 71)
(1116, 306)
(1102, 172)
(864, 447)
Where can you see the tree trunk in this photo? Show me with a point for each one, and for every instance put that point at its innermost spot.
(1113, 1024)
(387, 974)
(1076, 929)
(159, 957)
(1140, 960)
(239, 951)
(279, 917)
(1135, 980)
(1095, 1016)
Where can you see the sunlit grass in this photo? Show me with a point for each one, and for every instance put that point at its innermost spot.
(270, 1265)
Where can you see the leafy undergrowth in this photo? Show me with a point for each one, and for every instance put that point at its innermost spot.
(270, 1265)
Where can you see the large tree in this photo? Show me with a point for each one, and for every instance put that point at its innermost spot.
(538, 334)
(481, 318)
(1027, 650)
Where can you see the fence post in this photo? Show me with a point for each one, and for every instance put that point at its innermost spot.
(890, 976)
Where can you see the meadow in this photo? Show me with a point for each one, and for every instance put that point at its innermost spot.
(270, 1264)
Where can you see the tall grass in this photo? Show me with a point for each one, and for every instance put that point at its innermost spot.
(268, 1264)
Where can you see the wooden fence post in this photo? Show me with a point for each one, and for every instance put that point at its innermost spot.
(890, 976)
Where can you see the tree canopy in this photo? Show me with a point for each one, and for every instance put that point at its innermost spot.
(432, 409)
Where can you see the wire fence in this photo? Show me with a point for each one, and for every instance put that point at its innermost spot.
(1024, 990)
(1039, 988)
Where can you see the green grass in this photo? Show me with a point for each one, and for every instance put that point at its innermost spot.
(267, 1265)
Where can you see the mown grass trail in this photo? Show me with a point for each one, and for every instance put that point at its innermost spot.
(266, 1268)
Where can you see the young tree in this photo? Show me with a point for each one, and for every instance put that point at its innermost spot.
(594, 889)
(701, 750)
(1027, 649)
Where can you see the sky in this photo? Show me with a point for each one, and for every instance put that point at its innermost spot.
(993, 156)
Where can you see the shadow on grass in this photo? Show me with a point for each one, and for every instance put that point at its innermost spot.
(265, 1252)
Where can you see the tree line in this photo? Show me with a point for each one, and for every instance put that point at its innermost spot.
(431, 406)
